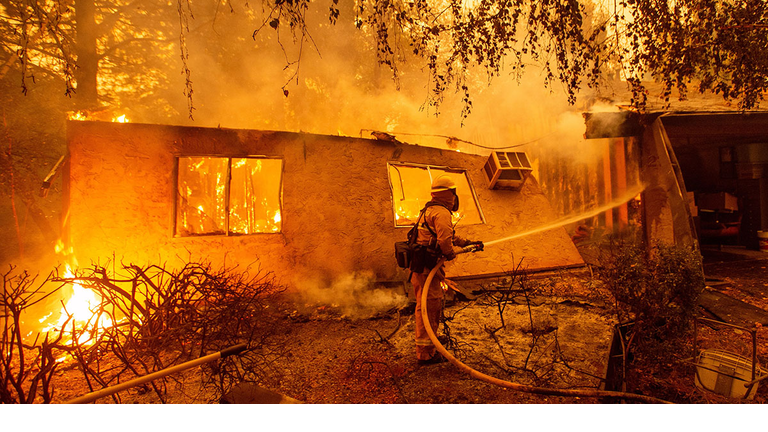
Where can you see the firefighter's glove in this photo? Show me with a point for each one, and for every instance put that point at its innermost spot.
(478, 246)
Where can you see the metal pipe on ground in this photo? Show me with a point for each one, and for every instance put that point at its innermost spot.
(90, 397)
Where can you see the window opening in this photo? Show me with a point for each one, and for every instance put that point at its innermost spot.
(228, 196)
(411, 186)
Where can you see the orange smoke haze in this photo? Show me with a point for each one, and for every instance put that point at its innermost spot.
(340, 89)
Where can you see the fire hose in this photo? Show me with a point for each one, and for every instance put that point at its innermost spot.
(90, 397)
(507, 384)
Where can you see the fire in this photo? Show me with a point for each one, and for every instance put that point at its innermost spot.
(61, 249)
(83, 307)
(444, 286)
(77, 115)
(83, 116)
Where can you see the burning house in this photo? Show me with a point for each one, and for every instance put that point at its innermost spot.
(300, 205)
(705, 173)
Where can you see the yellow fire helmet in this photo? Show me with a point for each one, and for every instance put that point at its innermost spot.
(443, 183)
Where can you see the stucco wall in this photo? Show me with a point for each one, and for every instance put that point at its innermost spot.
(337, 206)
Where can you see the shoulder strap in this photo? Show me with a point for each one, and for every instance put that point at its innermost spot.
(425, 224)
(413, 233)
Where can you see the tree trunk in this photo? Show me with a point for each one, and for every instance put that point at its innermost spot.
(87, 57)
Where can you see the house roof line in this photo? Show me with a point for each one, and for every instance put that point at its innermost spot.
(707, 113)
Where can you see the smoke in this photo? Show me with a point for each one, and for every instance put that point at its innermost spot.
(353, 294)
(339, 88)
(567, 140)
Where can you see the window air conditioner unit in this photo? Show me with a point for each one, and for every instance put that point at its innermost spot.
(507, 170)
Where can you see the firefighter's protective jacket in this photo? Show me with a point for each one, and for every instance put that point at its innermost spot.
(438, 218)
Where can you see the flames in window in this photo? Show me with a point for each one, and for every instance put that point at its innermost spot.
(411, 190)
(255, 196)
(228, 196)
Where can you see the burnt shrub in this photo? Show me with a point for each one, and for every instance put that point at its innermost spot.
(27, 366)
(167, 316)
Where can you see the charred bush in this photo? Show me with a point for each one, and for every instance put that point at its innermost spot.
(501, 294)
(26, 368)
(163, 317)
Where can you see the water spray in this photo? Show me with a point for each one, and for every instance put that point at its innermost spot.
(517, 386)
(571, 219)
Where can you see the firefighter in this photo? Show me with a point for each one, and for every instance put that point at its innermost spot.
(436, 231)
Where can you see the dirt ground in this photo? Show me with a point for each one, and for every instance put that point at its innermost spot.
(332, 358)
(335, 358)
(342, 361)
(357, 366)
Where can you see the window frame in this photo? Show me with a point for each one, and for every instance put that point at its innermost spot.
(429, 167)
(227, 232)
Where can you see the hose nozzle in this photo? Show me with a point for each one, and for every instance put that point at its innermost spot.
(472, 247)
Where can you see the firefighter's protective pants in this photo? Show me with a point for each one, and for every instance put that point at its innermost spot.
(424, 348)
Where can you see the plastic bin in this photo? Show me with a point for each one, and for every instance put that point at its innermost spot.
(725, 373)
(762, 238)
